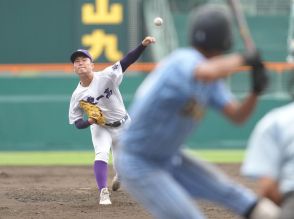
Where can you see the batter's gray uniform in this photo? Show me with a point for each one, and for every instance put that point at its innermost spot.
(150, 161)
(169, 105)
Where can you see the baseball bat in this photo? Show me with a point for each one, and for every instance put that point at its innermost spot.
(242, 24)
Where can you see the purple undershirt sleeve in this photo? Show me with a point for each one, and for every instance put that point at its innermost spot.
(82, 124)
(131, 57)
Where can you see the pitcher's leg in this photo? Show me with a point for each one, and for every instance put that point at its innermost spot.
(100, 171)
(115, 134)
(101, 139)
(115, 184)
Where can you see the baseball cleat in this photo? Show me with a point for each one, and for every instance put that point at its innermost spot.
(265, 208)
(115, 183)
(104, 197)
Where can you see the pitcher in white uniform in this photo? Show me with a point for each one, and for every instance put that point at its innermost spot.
(102, 88)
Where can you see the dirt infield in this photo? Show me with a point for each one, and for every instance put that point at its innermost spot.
(70, 192)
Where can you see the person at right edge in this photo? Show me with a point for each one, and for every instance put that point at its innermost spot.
(168, 105)
(269, 158)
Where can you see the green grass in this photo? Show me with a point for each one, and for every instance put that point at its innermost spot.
(87, 157)
(220, 156)
(47, 158)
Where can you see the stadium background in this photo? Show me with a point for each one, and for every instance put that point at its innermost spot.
(36, 79)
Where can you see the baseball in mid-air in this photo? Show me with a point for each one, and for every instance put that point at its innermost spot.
(158, 21)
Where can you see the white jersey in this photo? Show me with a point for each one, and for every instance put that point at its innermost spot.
(104, 92)
(271, 148)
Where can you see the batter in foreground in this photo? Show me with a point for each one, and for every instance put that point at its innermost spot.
(169, 105)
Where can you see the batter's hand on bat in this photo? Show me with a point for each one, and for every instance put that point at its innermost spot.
(259, 78)
(148, 40)
(252, 58)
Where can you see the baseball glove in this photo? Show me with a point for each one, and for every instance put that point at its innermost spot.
(93, 112)
(259, 79)
(259, 76)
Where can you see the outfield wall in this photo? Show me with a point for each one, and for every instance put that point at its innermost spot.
(34, 116)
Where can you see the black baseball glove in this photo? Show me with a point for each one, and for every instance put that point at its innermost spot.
(259, 76)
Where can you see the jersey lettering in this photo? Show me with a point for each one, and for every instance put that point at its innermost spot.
(98, 98)
(94, 100)
(193, 110)
(115, 67)
(91, 100)
(108, 93)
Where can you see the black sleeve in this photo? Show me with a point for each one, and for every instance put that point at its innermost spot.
(131, 57)
(82, 124)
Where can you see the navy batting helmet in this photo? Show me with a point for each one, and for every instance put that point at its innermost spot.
(210, 28)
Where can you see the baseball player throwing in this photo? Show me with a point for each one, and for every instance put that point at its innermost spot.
(169, 104)
(97, 95)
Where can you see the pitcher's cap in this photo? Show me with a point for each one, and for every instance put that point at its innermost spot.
(80, 52)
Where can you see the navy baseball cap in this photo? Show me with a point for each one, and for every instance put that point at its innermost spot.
(80, 52)
(210, 28)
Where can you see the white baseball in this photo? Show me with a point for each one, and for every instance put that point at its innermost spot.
(158, 21)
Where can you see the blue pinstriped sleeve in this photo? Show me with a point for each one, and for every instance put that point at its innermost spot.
(220, 95)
